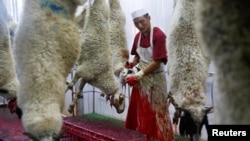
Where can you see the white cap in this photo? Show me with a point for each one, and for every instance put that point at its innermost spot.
(138, 13)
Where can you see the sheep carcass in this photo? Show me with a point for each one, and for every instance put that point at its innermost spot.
(95, 64)
(224, 31)
(187, 61)
(47, 45)
(8, 80)
(118, 41)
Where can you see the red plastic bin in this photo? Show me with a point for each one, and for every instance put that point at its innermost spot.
(97, 128)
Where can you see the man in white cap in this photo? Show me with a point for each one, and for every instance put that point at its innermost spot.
(148, 110)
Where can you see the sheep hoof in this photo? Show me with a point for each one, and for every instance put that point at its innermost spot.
(70, 111)
(71, 107)
(102, 94)
(79, 96)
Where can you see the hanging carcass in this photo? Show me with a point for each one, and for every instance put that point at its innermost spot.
(118, 41)
(94, 65)
(8, 79)
(46, 48)
(187, 62)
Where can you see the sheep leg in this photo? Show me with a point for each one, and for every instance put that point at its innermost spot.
(196, 136)
(199, 124)
(73, 82)
(204, 122)
(78, 95)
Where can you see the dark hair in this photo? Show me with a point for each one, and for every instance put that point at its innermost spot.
(146, 15)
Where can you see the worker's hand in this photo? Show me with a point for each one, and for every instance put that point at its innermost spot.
(133, 79)
(129, 65)
(139, 75)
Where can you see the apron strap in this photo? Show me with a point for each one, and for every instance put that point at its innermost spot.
(151, 37)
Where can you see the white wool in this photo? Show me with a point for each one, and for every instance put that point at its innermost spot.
(46, 48)
(80, 17)
(8, 79)
(95, 64)
(187, 62)
(223, 28)
(118, 40)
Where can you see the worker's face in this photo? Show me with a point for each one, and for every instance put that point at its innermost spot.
(142, 23)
